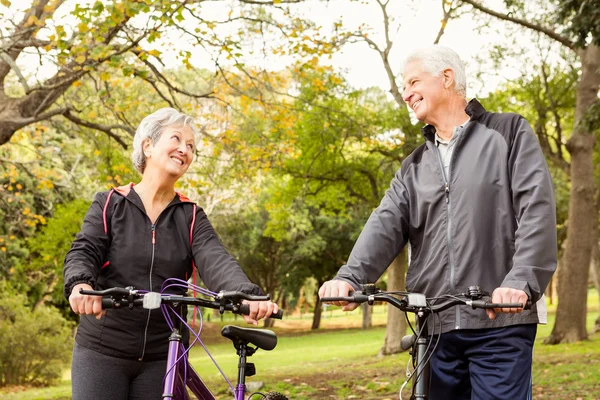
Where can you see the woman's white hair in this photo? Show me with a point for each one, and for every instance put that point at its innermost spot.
(436, 59)
(151, 127)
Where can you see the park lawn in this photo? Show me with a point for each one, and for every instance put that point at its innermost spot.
(343, 364)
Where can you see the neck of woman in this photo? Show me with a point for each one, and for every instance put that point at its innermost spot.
(155, 191)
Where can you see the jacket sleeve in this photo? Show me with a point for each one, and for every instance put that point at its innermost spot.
(382, 238)
(216, 267)
(88, 250)
(535, 257)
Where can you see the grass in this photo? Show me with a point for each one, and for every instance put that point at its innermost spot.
(335, 363)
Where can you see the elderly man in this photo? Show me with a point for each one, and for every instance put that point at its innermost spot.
(475, 203)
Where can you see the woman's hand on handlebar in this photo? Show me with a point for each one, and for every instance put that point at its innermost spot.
(85, 305)
(507, 295)
(259, 310)
(338, 288)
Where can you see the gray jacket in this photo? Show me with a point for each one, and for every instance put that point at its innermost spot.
(493, 224)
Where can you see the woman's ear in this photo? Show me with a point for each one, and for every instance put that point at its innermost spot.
(448, 78)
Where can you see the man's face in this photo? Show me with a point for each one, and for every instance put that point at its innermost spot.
(422, 91)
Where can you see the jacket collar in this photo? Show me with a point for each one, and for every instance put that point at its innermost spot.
(474, 110)
(126, 190)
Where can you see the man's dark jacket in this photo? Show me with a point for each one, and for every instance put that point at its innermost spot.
(492, 224)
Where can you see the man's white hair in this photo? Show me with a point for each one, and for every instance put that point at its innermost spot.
(151, 127)
(435, 59)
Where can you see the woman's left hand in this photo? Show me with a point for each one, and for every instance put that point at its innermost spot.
(259, 310)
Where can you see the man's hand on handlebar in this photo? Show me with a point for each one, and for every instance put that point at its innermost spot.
(259, 310)
(85, 305)
(507, 295)
(338, 288)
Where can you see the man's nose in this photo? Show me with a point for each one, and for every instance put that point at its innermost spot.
(406, 95)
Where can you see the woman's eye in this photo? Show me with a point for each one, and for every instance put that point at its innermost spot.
(191, 146)
(175, 137)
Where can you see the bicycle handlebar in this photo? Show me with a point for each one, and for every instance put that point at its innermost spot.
(416, 302)
(225, 301)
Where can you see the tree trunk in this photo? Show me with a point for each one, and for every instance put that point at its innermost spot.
(316, 323)
(268, 323)
(570, 325)
(595, 274)
(367, 315)
(396, 321)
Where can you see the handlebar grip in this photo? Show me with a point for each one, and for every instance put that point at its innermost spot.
(107, 303)
(349, 299)
(488, 306)
(356, 298)
(245, 310)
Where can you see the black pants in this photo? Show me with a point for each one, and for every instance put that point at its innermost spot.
(96, 376)
(483, 364)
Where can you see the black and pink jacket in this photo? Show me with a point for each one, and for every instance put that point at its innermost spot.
(118, 246)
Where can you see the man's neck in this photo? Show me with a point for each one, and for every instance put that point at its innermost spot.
(452, 117)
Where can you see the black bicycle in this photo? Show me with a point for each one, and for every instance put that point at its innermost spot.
(420, 344)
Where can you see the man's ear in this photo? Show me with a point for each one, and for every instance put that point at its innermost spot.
(448, 78)
(147, 147)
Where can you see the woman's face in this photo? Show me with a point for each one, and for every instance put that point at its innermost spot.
(173, 152)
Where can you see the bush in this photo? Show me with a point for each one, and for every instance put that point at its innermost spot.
(36, 344)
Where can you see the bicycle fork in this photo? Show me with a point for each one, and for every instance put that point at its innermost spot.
(171, 375)
(422, 365)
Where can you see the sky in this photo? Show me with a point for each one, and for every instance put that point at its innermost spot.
(415, 24)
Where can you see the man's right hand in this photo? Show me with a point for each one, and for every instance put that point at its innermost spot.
(85, 305)
(338, 288)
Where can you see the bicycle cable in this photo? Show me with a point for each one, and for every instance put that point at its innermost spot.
(185, 351)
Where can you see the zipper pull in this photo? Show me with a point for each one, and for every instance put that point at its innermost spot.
(154, 234)
(447, 191)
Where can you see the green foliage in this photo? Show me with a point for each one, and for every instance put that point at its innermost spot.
(41, 272)
(582, 18)
(35, 342)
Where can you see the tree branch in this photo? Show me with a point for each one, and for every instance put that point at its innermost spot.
(506, 17)
(13, 65)
(22, 32)
(108, 129)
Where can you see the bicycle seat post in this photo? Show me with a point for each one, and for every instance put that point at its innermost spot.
(244, 369)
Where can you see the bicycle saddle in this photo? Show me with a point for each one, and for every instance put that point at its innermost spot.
(261, 338)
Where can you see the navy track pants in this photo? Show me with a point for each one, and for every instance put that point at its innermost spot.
(483, 364)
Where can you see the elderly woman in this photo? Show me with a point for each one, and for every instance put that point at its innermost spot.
(139, 235)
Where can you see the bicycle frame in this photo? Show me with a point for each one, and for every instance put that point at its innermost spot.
(421, 382)
(180, 375)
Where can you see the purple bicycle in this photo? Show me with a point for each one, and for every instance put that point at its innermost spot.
(181, 378)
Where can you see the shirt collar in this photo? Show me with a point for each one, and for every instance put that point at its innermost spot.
(455, 133)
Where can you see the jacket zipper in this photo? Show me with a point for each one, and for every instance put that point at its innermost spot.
(449, 231)
(150, 288)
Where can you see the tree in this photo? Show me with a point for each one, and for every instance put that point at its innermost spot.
(96, 40)
(574, 266)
